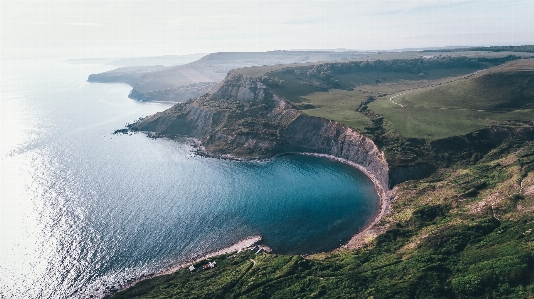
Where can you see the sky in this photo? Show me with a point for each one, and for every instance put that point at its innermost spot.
(116, 28)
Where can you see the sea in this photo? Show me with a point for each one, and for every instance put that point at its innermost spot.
(84, 211)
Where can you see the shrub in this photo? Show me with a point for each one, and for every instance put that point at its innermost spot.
(467, 285)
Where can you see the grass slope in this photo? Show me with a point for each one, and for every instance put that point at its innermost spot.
(441, 110)
(336, 90)
(339, 105)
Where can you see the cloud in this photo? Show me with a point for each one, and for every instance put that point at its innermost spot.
(169, 27)
(84, 24)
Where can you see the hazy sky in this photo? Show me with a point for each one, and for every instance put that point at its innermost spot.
(140, 28)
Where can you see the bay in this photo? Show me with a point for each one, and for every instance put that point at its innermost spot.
(83, 209)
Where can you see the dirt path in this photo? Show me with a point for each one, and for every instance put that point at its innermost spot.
(391, 99)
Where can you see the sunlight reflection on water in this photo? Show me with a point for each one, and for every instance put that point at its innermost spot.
(82, 209)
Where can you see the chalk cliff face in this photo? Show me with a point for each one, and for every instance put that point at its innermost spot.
(244, 119)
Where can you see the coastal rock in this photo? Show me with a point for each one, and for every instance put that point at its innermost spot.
(245, 119)
(318, 135)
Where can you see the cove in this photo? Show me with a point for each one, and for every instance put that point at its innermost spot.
(84, 210)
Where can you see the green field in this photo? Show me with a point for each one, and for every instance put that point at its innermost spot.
(339, 105)
(497, 91)
(432, 108)
(437, 123)
(464, 105)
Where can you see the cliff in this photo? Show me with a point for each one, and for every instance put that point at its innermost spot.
(245, 119)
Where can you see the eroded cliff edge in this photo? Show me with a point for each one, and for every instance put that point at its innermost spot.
(244, 119)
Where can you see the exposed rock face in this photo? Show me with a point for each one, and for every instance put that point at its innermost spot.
(317, 135)
(244, 119)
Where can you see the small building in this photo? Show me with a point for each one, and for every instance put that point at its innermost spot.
(191, 268)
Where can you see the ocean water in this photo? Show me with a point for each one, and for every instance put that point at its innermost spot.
(83, 210)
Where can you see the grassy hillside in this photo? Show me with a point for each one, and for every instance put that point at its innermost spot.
(462, 105)
(336, 90)
(339, 105)
(465, 232)
(500, 91)
(439, 101)
(293, 83)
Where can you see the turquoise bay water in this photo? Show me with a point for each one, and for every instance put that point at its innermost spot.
(82, 209)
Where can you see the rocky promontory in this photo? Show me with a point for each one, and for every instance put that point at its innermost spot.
(258, 114)
(244, 119)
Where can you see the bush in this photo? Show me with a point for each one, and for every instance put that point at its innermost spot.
(427, 214)
(467, 285)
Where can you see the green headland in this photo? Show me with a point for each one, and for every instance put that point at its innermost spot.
(454, 134)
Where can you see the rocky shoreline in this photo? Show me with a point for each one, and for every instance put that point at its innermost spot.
(383, 195)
